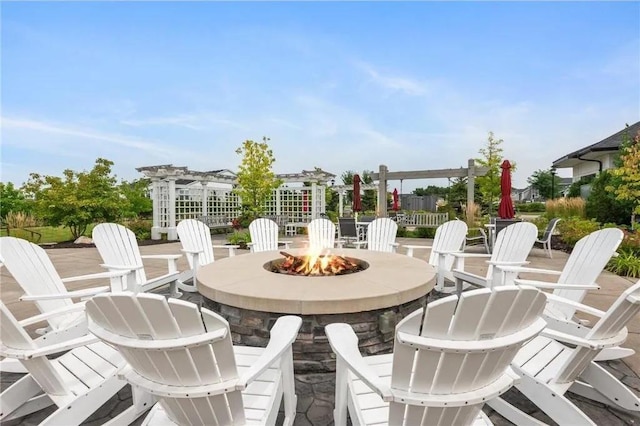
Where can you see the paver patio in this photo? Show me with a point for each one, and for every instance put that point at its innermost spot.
(315, 398)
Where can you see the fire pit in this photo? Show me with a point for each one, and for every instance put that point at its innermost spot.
(316, 264)
(245, 291)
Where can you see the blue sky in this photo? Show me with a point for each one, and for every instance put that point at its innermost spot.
(341, 86)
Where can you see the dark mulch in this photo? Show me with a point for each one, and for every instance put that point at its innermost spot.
(71, 244)
(558, 244)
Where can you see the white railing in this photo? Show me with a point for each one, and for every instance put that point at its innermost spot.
(426, 220)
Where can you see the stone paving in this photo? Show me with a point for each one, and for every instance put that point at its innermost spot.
(316, 391)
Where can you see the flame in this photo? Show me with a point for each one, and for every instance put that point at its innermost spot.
(319, 262)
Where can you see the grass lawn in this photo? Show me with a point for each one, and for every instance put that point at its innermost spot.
(43, 234)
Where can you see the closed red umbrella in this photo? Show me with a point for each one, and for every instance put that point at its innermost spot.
(395, 206)
(505, 209)
(357, 201)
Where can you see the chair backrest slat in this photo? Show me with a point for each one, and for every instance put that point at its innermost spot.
(322, 234)
(381, 233)
(118, 246)
(513, 244)
(34, 272)
(264, 235)
(178, 365)
(477, 316)
(450, 236)
(196, 236)
(587, 260)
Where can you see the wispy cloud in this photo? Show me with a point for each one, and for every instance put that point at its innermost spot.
(83, 135)
(198, 121)
(402, 84)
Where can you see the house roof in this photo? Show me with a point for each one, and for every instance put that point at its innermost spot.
(611, 143)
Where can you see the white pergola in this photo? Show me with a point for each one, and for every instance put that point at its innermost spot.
(343, 189)
(179, 193)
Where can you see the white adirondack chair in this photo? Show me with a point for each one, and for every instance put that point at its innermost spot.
(119, 250)
(36, 275)
(549, 368)
(195, 237)
(322, 234)
(264, 235)
(512, 247)
(445, 364)
(78, 382)
(381, 235)
(449, 238)
(184, 356)
(586, 262)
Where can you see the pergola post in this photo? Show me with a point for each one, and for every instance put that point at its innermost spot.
(471, 180)
(155, 191)
(341, 203)
(172, 232)
(205, 197)
(382, 191)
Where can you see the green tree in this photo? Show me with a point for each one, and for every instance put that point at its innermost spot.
(77, 199)
(12, 200)
(491, 158)
(574, 189)
(628, 188)
(602, 204)
(432, 190)
(256, 179)
(542, 181)
(137, 194)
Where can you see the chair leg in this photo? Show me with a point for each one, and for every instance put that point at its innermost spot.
(142, 402)
(556, 406)
(80, 408)
(20, 399)
(512, 413)
(604, 387)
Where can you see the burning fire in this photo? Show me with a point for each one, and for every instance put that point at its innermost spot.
(315, 264)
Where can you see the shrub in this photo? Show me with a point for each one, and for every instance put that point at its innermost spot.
(471, 213)
(565, 207)
(603, 206)
(402, 231)
(239, 238)
(627, 263)
(573, 229)
(530, 207)
(424, 232)
(140, 227)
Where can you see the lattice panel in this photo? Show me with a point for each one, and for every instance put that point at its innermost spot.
(223, 202)
(188, 203)
(163, 204)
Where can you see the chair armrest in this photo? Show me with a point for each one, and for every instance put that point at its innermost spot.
(359, 243)
(594, 344)
(344, 343)
(468, 277)
(187, 251)
(556, 286)
(122, 267)
(508, 268)
(577, 305)
(68, 295)
(469, 255)
(110, 274)
(162, 256)
(283, 333)
(415, 246)
(49, 349)
(494, 263)
(76, 307)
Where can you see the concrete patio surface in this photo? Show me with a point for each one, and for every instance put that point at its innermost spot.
(79, 261)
